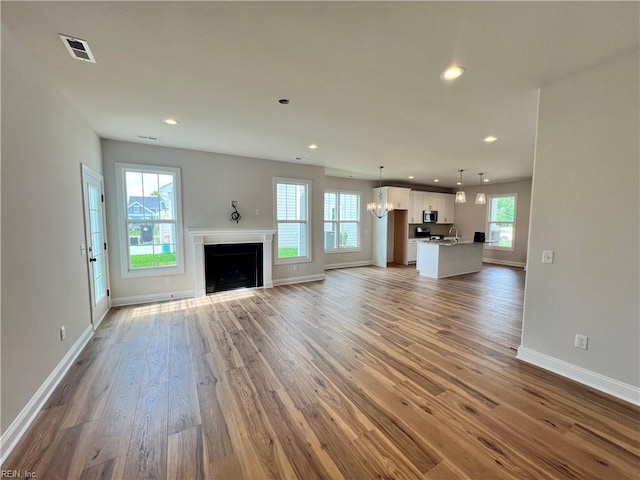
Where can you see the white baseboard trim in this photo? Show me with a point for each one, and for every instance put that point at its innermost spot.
(18, 427)
(153, 297)
(303, 279)
(608, 385)
(508, 263)
(362, 263)
(95, 327)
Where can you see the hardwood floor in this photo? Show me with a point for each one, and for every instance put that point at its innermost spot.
(373, 373)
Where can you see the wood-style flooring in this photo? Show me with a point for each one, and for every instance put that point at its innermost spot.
(373, 373)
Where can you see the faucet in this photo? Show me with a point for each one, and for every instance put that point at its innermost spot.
(454, 228)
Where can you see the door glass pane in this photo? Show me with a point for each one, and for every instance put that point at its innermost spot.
(96, 246)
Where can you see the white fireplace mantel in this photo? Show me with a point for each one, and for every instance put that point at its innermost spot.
(202, 236)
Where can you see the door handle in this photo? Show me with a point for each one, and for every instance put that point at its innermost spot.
(93, 259)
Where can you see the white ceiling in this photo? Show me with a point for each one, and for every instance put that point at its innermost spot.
(363, 77)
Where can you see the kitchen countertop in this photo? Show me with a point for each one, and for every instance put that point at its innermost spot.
(449, 243)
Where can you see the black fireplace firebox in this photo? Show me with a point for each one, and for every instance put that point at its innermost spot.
(231, 266)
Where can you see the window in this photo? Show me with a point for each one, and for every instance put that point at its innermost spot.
(292, 218)
(151, 229)
(501, 221)
(341, 221)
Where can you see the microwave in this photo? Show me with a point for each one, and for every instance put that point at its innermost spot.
(429, 216)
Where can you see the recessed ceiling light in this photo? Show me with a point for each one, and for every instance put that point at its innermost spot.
(453, 72)
(486, 180)
(435, 180)
(171, 121)
(458, 183)
(313, 146)
(410, 177)
(283, 101)
(490, 139)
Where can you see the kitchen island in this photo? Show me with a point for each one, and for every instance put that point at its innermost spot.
(448, 258)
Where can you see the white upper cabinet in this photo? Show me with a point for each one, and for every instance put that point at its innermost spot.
(416, 207)
(443, 203)
(430, 201)
(398, 197)
(446, 206)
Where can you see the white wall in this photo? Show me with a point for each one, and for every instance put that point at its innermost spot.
(44, 277)
(586, 209)
(209, 182)
(364, 256)
(472, 218)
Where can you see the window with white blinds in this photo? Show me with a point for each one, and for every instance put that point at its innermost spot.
(341, 221)
(292, 218)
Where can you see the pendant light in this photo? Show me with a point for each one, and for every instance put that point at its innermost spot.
(481, 198)
(379, 209)
(460, 195)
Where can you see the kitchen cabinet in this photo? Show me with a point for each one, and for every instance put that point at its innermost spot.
(430, 201)
(439, 260)
(446, 206)
(416, 200)
(412, 250)
(397, 196)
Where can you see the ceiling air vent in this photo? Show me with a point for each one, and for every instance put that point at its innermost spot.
(79, 49)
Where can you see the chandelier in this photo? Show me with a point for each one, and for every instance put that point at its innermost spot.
(379, 209)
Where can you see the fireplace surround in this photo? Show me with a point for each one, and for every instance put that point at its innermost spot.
(216, 236)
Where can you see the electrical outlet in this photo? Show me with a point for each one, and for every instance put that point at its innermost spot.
(63, 333)
(547, 256)
(257, 212)
(295, 268)
(582, 341)
(83, 249)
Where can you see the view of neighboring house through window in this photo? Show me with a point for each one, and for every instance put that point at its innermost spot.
(152, 227)
(501, 221)
(341, 221)
(292, 217)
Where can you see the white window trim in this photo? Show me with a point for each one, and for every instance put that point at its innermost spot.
(291, 260)
(359, 222)
(490, 246)
(125, 272)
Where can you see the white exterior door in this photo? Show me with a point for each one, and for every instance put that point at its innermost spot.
(94, 226)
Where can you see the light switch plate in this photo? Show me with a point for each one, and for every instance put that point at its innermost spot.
(547, 256)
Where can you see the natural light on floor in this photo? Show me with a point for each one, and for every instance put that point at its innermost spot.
(184, 304)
